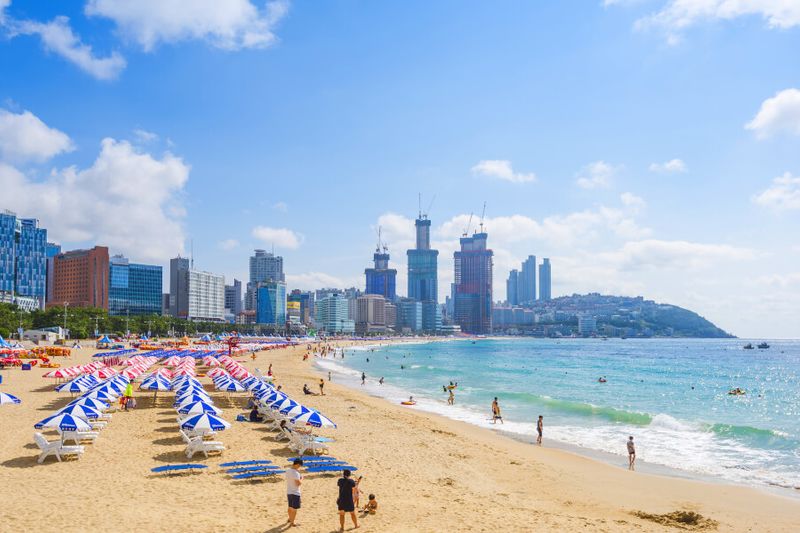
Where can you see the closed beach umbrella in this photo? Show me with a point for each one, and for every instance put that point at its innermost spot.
(314, 418)
(64, 422)
(8, 399)
(83, 411)
(199, 407)
(205, 422)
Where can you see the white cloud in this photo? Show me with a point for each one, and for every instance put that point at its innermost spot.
(779, 114)
(281, 237)
(280, 206)
(229, 24)
(781, 281)
(229, 244)
(317, 280)
(782, 195)
(3, 5)
(596, 175)
(127, 200)
(669, 167)
(677, 15)
(681, 255)
(633, 202)
(144, 136)
(57, 37)
(24, 137)
(501, 169)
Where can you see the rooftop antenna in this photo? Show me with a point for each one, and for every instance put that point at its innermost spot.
(483, 213)
(191, 253)
(469, 223)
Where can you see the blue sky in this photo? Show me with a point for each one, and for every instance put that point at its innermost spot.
(648, 147)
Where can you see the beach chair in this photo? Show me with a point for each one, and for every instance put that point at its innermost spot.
(246, 463)
(312, 458)
(55, 447)
(338, 468)
(252, 475)
(177, 469)
(78, 436)
(301, 445)
(243, 469)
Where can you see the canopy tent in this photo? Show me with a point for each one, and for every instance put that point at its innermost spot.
(3, 343)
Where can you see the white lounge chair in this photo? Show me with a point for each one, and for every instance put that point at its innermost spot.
(78, 436)
(203, 446)
(302, 443)
(55, 447)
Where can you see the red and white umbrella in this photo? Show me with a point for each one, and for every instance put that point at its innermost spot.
(105, 373)
(216, 372)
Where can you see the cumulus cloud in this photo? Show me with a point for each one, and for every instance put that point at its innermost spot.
(230, 25)
(317, 280)
(669, 167)
(782, 195)
(678, 15)
(144, 136)
(281, 237)
(661, 254)
(24, 137)
(633, 202)
(501, 169)
(57, 37)
(596, 175)
(779, 114)
(127, 200)
(229, 244)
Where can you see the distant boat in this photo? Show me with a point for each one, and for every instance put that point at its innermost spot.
(748, 346)
(763, 346)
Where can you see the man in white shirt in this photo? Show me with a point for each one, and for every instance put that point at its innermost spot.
(293, 482)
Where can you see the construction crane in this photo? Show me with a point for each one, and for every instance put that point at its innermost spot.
(378, 247)
(483, 214)
(424, 214)
(469, 223)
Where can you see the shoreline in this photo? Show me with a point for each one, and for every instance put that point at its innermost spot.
(428, 472)
(600, 456)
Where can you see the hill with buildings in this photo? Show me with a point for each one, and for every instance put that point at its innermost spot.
(604, 315)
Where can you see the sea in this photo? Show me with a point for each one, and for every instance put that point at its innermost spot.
(671, 395)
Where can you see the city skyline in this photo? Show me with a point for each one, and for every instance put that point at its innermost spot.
(662, 163)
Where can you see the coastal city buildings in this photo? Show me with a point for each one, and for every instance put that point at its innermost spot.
(264, 266)
(423, 278)
(472, 306)
(527, 281)
(370, 314)
(23, 261)
(512, 288)
(545, 280)
(194, 294)
(271, 303)
(233, 298)
(332, 315)
(304, 307)
(381, 279)
(51, 251)
(134, 289)
(80, 278)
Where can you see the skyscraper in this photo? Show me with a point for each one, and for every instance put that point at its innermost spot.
(512, 288)
(370, 314)
(545, 280)
(23, 261)
(80, 278)
(473, 285)
(134, 288)
(423, 283)
(331, 314)
(194, 294)
(381, 279)
(51, 251)
(271, 303)
(233, 297)
(264, 266)
(527, 281)
(179, 286)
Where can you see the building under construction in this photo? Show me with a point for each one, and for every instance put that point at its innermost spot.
(473, 285)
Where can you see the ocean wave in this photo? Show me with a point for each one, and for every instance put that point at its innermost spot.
(584, 409)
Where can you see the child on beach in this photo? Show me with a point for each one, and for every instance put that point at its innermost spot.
(372, 505)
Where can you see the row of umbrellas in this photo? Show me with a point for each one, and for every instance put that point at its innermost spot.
(191, 399)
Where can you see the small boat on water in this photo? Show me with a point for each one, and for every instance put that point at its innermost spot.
(748, 346)
(763, 346)
(737, 392)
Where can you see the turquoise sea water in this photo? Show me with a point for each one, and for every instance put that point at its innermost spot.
(671, 395)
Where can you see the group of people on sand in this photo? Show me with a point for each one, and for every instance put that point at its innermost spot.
(347, 501)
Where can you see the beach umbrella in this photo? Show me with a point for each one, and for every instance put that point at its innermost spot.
(64, 422)
(60, 373)
(280, 405)
(83, 411)
(313, 418)
(199, 407)
(216, 372)
(94, 403)
(6, 398)
(192, 398)
(101, 395)
(232, 386)
(205, 422)
(73, 386)
(293, 411)
(210, 361)
(104, 373)
(108, 391)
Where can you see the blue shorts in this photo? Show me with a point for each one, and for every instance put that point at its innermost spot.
(294, 501)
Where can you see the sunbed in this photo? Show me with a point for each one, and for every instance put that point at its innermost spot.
(263, 473)
(55, 447)
(246, 463)
(174, 469)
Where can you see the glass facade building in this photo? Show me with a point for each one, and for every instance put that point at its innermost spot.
(381, 279)
(472, 306)
(23, 261)
(545, 280)
(271, 303)
(134, 289)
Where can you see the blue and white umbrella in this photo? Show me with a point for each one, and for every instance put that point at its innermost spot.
(155, 384)
(83, 411)
(199, 407)
(295, 410)
(94, 403)
(101, 395)
(73, 386)
(191, 388)
(314, 418)
(231, 386)
(108, 391)
(6, 398)
(205, 422)
(192, 398)
(280, 405)
(64, 422)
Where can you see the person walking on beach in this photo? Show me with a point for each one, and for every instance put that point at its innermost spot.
(293, 482)
(322, 385)
(346, 500)
(539, 429)
(128, 396)
(496, 412)
(631, 453)
(329, 376)
(363, 378)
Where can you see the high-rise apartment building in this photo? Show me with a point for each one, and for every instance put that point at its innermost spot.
(23, 261)
(51, 251)
(264, 266)
(512, 288)
(194, 294)
(381, 279)
(545, 280)
(233, 297)
(80, 278)
(527, 281)
(331, 315)
(134, 289)
(423, 277)
(271, 303)
(473, 285)
(409, 315)
(370, 314)
(305, 302)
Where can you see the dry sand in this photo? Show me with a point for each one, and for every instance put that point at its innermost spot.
(430, 474)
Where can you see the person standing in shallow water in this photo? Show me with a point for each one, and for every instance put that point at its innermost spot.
(496, 412)
(539, 429)
(631, 453)
(363, 378)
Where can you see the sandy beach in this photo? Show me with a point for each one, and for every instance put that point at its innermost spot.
(429, 473)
